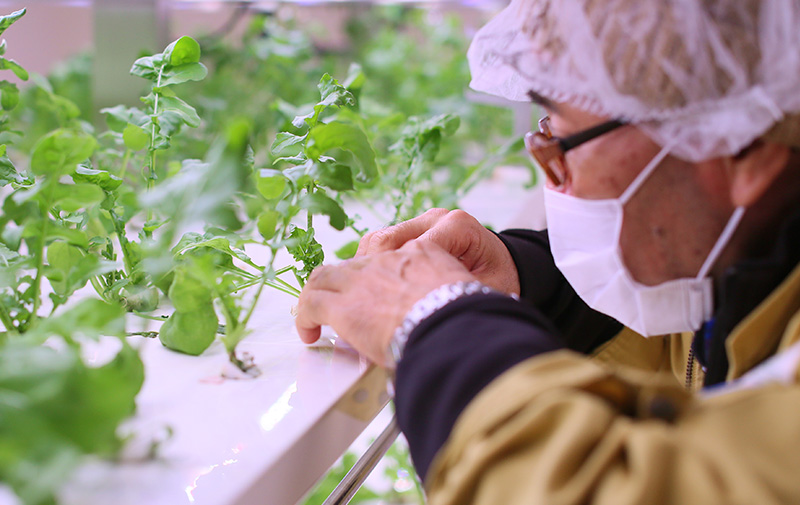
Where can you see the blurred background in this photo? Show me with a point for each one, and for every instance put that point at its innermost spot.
(265, 59)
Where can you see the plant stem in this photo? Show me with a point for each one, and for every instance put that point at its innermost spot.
(244, 285)
(291, 290)
(283, 270)
(100, 290)
(152, 172)
(5, 317)
(37, 282)
(125, 160)
(153, 318)
(310, 217)
(145, 334)
(254, 302)
(119, 227)
(283, 287)
(299, 278)
(288, 286)
(242, 272)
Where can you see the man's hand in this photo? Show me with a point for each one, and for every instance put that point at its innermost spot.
(366, 298)
(458, 233)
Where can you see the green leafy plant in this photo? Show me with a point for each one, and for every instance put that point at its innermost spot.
(322, 161)
(54, 407)
(160, 212)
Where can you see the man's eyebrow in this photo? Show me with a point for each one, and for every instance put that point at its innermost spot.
(542, 101)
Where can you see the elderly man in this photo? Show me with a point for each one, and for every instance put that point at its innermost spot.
(645, 348)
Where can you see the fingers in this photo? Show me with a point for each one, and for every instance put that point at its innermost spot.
(333, 277)
(389, 239)
(458, 233)
(312, 312)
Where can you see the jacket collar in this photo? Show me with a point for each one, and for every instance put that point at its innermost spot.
(757, 298)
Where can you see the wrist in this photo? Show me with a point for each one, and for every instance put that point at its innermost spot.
(427, 306)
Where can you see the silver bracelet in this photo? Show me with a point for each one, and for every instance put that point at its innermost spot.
(424, 308)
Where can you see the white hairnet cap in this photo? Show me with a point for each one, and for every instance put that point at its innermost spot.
(706, 76)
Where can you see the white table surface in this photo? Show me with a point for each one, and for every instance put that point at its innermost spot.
(265, 440)
(249, 441)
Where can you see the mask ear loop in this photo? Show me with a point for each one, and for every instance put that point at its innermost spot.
(634, 186)
(722, 241)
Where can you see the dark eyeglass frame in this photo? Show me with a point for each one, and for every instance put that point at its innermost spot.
(549, 151)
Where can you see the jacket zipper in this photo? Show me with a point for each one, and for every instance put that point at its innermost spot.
(690, 370)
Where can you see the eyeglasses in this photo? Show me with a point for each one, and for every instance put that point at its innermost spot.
(548, 151)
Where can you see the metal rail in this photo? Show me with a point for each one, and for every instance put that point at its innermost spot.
(351, 483)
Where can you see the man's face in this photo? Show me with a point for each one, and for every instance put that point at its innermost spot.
(671, 223)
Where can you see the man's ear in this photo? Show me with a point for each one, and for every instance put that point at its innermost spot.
(752, 172)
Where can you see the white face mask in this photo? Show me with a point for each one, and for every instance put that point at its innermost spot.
(584, 239)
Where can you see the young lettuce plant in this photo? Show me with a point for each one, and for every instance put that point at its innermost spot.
(54, 408)
(320, 159)
(418, 146)
(136, 137)
(323, 159)
(198, 272)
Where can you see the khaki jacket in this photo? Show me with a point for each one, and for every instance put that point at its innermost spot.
(621, 428)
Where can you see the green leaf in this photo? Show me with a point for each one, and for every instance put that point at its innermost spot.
(98, 399)
(328, 138)
(317, 203)
(61, 257)
(60, 151)
(355, 78)
(184, 73)
(10, 19)
(304, 248)
(7, 255)
(119, 117)
(6, 64)
(186, 112)
(90, 318)
(333, 94)
(55, 230)
(37, 372)
(284, 140)
(190, 332)
(61, 408)
(62, 107)
(101, 178)
(140, 298)
(135, 138)
(182, 51)
(148, 67)
(72, 197)
(348, 250)
(335, 176)
(448, 123)
(270, 183)
(193, 240)
(9, 95)
(70, 269)
(169, 123)
(187, 293)
(8, 172)
(268, 223)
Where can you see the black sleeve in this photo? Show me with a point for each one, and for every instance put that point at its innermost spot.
(582, 328)
(452, 355)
